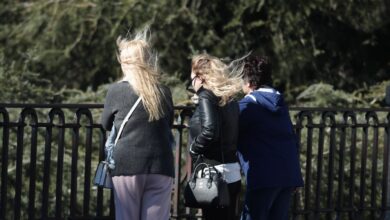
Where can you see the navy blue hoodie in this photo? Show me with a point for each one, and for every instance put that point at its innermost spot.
(267, 145)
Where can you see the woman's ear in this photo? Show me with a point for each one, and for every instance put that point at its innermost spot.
(246, 87)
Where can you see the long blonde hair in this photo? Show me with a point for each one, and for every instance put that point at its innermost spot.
(140, 68)
(225, 81)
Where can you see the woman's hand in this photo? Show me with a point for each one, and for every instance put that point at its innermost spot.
(196, 81)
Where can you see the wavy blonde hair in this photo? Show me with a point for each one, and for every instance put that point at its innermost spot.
(225, 81)
(139, 65)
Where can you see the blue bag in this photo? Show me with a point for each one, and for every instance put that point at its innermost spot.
(109, 147)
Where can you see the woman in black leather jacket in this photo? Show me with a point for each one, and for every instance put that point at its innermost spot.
(214, 125)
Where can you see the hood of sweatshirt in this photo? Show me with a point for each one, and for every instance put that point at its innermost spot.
(270, 98)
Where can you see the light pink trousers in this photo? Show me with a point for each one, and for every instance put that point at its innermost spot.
(142, 197)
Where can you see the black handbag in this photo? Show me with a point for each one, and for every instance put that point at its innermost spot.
(102, 175)
(208, 190)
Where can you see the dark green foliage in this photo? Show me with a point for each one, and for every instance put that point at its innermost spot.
(71, 44)
(324, 95)
(21, 85)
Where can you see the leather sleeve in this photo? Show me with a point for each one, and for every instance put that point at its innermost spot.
(209, 118)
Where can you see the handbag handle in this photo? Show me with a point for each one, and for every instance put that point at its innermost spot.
(126, 119)
(194, 173)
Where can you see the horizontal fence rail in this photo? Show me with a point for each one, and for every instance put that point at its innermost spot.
(49, 154)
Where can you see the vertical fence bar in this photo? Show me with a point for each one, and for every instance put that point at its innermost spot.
(180, 126)
(99, 197)
(4, 163)
(298, 129)
(112, 205)
(60, 157)
(33, 162)
(176, 192)
(343, 134)
(19, 165)
(352, 116)
(309, 153)
(332, 141)
(87, 161)
(363, 171)
(46, 172)
(74, 173)
(374, 160)
(320, 158)
(386, 173)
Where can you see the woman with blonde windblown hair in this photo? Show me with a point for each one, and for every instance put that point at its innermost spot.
(144, 171)
(214, 125)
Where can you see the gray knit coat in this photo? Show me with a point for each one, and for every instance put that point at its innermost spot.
(144, 147)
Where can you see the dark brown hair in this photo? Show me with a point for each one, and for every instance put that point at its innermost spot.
(257, 71)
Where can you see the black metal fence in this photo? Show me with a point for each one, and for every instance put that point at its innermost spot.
(49, 154)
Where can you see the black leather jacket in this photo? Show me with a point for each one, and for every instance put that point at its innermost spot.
(213, 127)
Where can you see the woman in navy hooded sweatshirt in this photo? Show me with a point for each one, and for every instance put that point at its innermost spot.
(267, 145)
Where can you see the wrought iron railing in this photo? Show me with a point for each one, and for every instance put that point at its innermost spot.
(49, 154)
